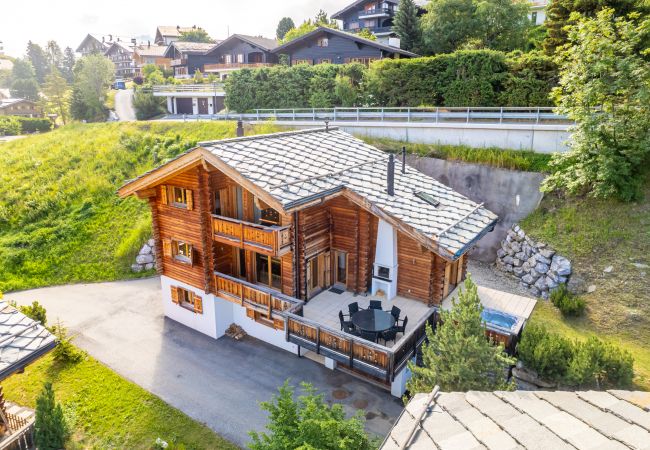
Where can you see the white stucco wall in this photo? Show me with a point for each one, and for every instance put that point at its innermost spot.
(204, 323)
(261, 332)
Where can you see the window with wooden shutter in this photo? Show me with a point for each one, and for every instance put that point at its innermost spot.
(182, 251)
(189, 200)
(164, 198)
(175, 297)
(198, 304)
(167, 248)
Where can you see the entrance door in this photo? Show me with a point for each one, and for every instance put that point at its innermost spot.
(203, 106)
(341, 268)
(319, 274)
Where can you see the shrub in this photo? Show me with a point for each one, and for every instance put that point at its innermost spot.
(568, 303)
(36, 312)
(50, 430)
(147, 106)
(592, 363)
(9, 126)
(548, 354)
(65, 352)
(34, 124)
(531, 77)
(138, 80)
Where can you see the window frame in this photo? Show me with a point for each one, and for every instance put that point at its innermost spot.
(270, 260)
(323, 42)
(177, 256)
(183, 196)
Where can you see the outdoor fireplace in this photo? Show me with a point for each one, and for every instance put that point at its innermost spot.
(384, 274)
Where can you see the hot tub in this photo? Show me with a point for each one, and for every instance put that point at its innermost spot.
(501, 326)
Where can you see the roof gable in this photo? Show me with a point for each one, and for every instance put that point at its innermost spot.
(355, 5)
(260, 42)
(292, 169)
(306, 38)
(90, 38)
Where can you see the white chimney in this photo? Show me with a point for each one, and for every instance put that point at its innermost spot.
(384, 274)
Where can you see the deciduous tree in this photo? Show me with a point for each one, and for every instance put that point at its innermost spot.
(605, 88)
(93, 77)
(196, 35)
(56, 95)
(309, 423)
(23, 80)
(407, 26)
(459, 357)
(285, 24)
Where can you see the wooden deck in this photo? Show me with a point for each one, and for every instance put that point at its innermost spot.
(516, 305)
(325, 307)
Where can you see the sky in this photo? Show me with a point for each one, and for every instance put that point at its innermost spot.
(68, 22)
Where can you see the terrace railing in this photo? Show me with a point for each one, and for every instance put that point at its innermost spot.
(270, 240)
(374, 12)
(230, 66)
(206, 87)
(435, 115)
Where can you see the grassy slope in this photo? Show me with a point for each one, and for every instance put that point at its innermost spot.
(60, 220)
(496, 157)
(596, 234)
(107, 411)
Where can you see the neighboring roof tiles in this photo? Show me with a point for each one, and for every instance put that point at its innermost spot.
(151, 50)
(295, 167)
(523, 420)
(173, 31)
(192, 47)
(354, 37)
(22, 340)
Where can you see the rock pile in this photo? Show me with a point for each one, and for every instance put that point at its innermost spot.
(146, 259)
(536, 265)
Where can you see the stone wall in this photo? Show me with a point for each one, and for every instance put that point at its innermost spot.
(536, 265)
(146, 259)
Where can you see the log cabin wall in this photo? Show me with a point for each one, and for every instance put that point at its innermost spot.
(181, 224)
(415, 271)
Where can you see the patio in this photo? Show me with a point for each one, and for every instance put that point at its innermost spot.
(325, 307)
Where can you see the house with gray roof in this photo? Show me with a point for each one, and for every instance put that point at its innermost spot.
(612, 419)
(240, 51)
(188, 57)
(312, 241)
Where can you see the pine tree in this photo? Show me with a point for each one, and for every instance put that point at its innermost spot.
(38, 58)
(285, 24)
(54, 54)
(459, 357)
(49, 428)
(407, 26)
(67, 69)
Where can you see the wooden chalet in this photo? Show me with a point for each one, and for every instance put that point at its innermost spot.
(279, 232)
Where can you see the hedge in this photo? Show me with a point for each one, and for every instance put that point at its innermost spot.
(15, 125)
(462, 78)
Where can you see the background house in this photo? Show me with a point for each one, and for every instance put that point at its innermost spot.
(93, 43)
(165, 35)
(19, 107)
(121, 53)
(240, 51)
(537, 13)
(150, 54)
(326, 45)
(188, 57)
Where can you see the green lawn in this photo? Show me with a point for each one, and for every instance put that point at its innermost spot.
(496, 157)
(596, 234)
(107, 411)
(60, 218)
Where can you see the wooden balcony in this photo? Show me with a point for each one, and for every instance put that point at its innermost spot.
(233, 66)
(273, 241)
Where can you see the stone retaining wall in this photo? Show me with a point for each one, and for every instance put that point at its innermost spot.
(536, 265)
(146, 259)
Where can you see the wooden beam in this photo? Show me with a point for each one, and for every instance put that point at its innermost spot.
(146, 193)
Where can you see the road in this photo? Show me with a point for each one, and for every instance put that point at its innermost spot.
(217, 382)
(124, 105)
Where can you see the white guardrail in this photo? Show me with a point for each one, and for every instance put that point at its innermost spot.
(496, 115)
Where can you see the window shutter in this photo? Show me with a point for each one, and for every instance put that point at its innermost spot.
(189, 199)
(198, 304)
(163, 195)
(167, 248)
(175, 298)
(193, 255)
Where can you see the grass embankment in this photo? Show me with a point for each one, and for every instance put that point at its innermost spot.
(497, 157)
(106, 411)
(60, 219)
(596, 234)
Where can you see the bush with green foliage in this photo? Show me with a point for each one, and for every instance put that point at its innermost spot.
(9, 126)
(147, 105)
(36, 312)
(309, 423)
(605, 88)
(568, 303)
(531, 77)
(459, 356)
(34, 124)
(50, 429)
(584, 364)
(94, 75)
(65, 352)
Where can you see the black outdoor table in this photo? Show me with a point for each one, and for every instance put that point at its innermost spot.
(373, 320)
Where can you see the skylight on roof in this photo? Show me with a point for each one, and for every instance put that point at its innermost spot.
(430, 199)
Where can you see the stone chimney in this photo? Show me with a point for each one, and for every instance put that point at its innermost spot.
(390, 175)
(240, 128)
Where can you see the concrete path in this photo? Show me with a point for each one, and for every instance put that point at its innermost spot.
(218, 382)
(124, 105)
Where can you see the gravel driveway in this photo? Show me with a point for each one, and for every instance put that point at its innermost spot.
(218, 382)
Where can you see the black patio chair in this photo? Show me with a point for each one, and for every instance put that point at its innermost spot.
(395, 312)
(353, 308)
(344, 322)
(401, 328)
(351, 330)
(389, 335)
(375, 304)
(369, 335)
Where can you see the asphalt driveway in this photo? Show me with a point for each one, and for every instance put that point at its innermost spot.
(217, 382)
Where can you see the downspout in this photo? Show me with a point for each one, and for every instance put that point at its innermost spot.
(296, 256)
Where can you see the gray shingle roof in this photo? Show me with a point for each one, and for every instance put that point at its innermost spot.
(295, 167)
(21, 340)
(524, 420)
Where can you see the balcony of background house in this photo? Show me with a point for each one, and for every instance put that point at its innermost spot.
(234, 66)
(375, 13)
(178, 61)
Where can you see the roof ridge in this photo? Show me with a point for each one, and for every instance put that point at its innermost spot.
(266, 136)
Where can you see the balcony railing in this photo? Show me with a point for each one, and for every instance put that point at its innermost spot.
(375, 12)
(233, 66)
(206, 87)
(178, 62)
(273, 240)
